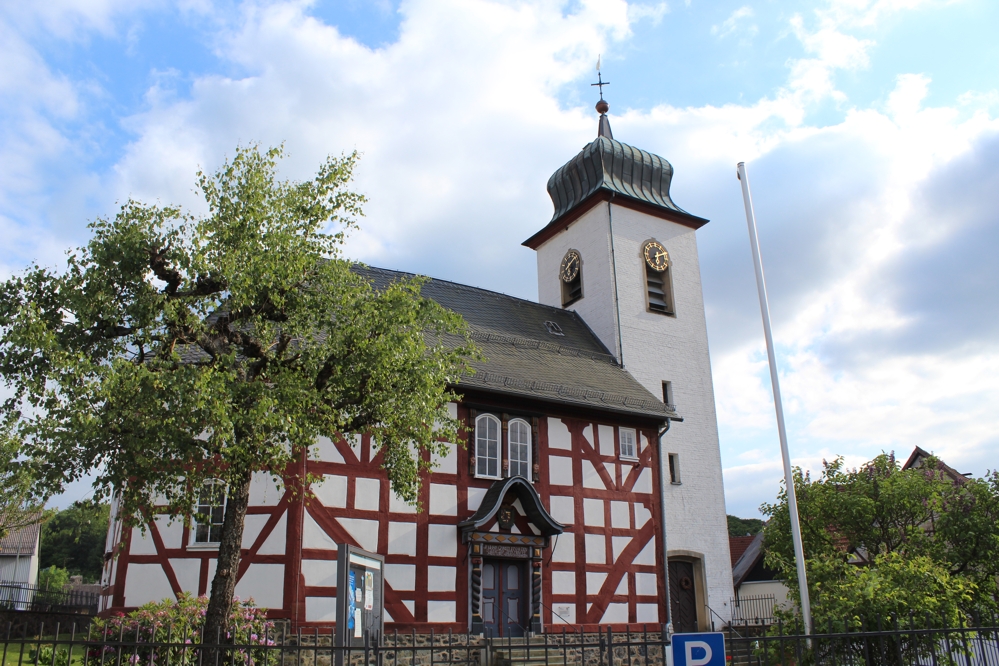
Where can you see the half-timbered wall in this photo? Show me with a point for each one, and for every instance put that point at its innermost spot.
(604, 569)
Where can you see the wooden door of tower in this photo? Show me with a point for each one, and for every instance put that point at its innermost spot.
(505, 592)
(682, 596)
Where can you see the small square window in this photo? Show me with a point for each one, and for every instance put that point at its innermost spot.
(626, 438)
(674, 468)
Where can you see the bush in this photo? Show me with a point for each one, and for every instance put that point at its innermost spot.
(175, 627)
(53, 579)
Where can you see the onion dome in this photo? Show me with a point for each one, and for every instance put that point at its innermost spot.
(615, 167)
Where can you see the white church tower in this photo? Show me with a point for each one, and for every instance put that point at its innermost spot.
(620, 253)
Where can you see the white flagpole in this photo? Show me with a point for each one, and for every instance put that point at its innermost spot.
(792, 501)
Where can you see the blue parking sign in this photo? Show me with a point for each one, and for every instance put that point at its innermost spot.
(707, 649)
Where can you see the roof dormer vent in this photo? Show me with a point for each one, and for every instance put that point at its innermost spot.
(554, 328)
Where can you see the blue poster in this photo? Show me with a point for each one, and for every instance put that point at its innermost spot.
(350, 600)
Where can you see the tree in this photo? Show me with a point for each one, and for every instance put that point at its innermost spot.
(74, 539)
(738, 527)
(176, 350)
(20, 501)
(881, 542)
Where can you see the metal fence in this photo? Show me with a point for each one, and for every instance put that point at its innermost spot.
(911, 641)
(753, 609)
(24, 597)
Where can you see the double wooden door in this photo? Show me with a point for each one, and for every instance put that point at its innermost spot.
(682, 596)
(505, 593)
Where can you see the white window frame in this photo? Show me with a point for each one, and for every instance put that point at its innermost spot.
(205, 507)
(482, 461)
(634, 443)
(526, 444)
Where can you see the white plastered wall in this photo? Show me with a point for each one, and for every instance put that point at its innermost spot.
(657, 348)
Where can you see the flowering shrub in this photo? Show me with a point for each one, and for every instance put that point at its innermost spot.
(172, 629)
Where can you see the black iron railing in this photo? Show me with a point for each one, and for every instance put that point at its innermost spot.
(23, 597)
(754, 609)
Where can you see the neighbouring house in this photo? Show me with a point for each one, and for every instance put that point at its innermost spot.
(19, 555)
(552, 512)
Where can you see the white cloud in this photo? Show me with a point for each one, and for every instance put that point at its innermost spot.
(735, 22)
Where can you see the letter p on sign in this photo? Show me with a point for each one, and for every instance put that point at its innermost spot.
(707, 649)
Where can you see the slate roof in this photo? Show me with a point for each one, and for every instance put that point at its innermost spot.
(21, 541)
(523, 359)
(752, 554)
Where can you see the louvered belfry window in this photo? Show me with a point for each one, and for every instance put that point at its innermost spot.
(660, 289)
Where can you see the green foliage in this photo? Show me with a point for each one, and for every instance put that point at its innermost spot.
(74, 539)
(883, 542)
(180, 624)
(175, 349)
(20, 500)
(53, 578)
(744, 526)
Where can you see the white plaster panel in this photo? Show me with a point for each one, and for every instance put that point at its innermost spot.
(565, 548)
(320, 609)
(591, 479)
(563, 582)
(325, 450)
(612, 473)
(647, 613)
(440, 579)
(367, 493)
(401, 576)
(648, 554)
(410, 605)
(620, 514)
(274, 544)
(446, 464)
(615, 614)
(212, 565)
(646, 584)
(622, 587)
(563, 509)
(363, 531)
(313, 535)
(319, 573)
(398, 505)
(588, 434)
(559, 436)
(254, 522)
(593, 512)
(443, 500)
(564, 614)
(595, 549)
(402, 538)
(643, 484)
(145, 583)
(188, 573)
(594, 581)
(642, 516)
(618, 544)
(331, 491)
(606, 440)
(142, 544)
(443, 540)
(560, 471)
(264, 490)
(171, 530)
(264, 583)
(475, 496)
(643, 442)
(441, 611)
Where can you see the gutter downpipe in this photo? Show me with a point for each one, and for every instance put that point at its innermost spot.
(617, 300)
(662, 511)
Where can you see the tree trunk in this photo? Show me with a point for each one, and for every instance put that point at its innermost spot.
(224, 583)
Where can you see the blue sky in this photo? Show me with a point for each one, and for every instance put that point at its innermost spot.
(869, 127)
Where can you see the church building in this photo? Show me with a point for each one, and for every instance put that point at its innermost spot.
(590, 490)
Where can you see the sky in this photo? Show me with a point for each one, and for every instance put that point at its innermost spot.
(870, 130)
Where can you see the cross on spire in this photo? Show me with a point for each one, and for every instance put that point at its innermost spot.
(600, 84)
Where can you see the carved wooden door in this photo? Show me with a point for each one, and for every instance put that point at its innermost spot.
(505, 592)
(682, 596)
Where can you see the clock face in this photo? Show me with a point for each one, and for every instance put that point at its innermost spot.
(570, 266)
(656, 256)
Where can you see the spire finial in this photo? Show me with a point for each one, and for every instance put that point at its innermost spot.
(602, 106)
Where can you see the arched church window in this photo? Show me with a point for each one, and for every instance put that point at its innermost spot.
(658, 281)
(487, 446)
(570, 275)
(210, 512)
(519, 453)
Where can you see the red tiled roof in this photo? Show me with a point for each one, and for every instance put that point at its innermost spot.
(738, 546)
